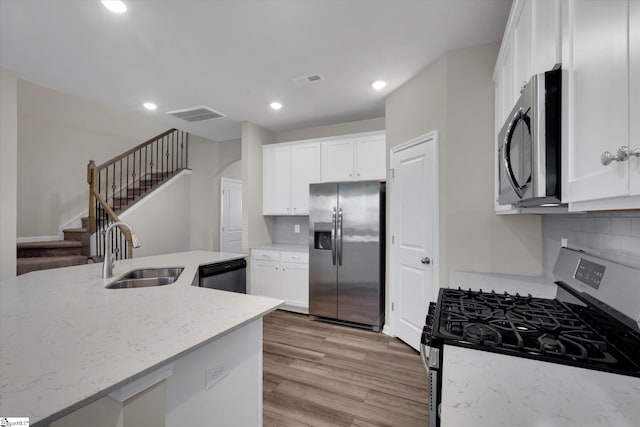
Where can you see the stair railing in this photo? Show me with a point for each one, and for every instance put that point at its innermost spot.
(117, 184)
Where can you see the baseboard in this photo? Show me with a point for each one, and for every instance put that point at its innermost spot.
(37, 239)
(387, 331)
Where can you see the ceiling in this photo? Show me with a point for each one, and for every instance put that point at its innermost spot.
(238, 56)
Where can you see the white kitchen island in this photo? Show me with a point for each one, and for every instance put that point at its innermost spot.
(71, 350)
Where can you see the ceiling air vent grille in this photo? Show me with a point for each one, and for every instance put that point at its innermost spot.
(305, 80)
(195, 114)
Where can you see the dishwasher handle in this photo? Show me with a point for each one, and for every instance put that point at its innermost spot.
(222, 267)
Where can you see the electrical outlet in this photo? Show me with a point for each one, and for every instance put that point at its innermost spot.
(215, 375)
(564, 242)
(296, 228)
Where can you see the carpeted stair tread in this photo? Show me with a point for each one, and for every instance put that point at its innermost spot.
(75, 230)
(26, 265)
(50, 244)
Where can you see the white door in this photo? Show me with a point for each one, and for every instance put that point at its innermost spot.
(230, 215)
(414, 229)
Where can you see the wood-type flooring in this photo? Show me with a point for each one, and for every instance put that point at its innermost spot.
(321, 374)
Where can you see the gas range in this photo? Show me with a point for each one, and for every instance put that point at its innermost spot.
(588, 325)
(543, 329)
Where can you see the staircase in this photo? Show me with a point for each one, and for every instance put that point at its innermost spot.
(114, 187)
(73, 250)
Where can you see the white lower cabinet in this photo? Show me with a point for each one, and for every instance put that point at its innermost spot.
(283, 275)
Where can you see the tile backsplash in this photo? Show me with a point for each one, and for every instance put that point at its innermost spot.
(613, 236)
(284, 230)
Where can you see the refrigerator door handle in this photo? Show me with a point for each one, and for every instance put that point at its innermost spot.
(333, 235)
(339, 237)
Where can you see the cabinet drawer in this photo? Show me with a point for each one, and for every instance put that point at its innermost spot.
(298, 257)
(261, 254)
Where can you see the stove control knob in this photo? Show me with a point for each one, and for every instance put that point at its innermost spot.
(426, 260)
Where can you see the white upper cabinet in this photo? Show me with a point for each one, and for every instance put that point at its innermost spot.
(358, 157)
(337, 160)
(531, 45)
(370, 158)
(522, 49)
(634, 93)
(600, 59)
(545, 39)
(287, 172)
(305, 170)
(276, 179)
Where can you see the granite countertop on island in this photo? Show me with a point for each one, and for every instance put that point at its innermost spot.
(485, 389)
(66, 341)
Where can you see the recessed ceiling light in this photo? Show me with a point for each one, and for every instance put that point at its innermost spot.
(378, 84)
(150, 106)
(275, 105)
(115, 6)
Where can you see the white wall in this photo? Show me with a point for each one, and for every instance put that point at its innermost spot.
(161, 220)
(57, 136)
(454, 95)
(8, 172)
(208, 160)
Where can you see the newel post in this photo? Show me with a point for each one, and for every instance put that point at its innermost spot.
(91, 179)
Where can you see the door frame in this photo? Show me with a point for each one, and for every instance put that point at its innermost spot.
(432, 137)
(220, 221)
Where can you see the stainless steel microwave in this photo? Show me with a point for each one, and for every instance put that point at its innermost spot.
(529, 155)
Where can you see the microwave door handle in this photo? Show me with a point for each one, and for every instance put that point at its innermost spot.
(333, 235)
(506, 158)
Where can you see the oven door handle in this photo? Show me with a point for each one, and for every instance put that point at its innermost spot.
(424, 356)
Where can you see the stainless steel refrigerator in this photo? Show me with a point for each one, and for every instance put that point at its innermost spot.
(346, 252)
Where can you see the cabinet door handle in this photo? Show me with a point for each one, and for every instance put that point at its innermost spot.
(623, 154)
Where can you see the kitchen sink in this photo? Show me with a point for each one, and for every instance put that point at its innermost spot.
(147, 277)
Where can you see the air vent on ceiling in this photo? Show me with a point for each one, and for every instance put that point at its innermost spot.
(195, 114)
(305, 80)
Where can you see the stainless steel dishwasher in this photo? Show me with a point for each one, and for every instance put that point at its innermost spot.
(226, 276)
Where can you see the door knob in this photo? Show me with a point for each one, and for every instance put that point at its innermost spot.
(426, 260)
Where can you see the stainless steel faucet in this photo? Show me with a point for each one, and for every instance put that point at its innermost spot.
(109, 261)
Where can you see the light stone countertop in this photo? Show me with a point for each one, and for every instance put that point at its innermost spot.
(66, 341)
(484, 389)
(538, 286)
(283, 247)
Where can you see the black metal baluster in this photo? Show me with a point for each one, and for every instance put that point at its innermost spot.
(113, 189)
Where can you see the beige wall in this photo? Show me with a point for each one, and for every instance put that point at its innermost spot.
(477, 239)
(161, 220)
(233, 171)
(8, 172)
(256, 229)
(330, 130)
(208, 160)
(57, 136)
(454, 95)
